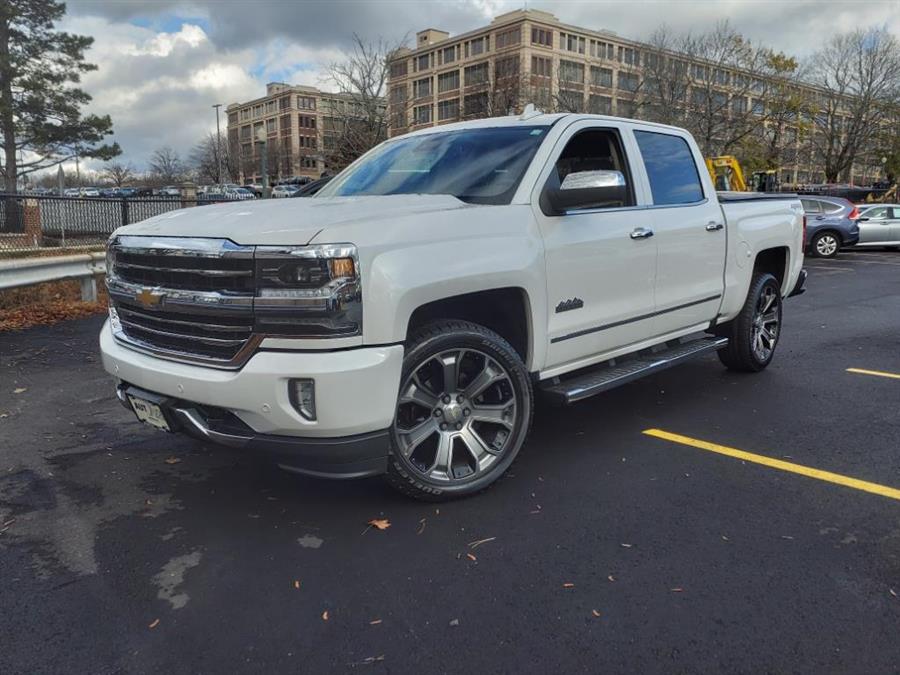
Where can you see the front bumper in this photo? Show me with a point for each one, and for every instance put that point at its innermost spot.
(354, 456)
(355, 393)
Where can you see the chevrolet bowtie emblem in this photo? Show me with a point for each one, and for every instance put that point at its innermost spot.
(149, 298)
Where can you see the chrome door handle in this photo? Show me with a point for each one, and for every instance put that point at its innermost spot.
(713, 226)
(641, 233)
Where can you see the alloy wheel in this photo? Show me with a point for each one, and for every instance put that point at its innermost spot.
(455, 416)
(764, 331)
(826, 245)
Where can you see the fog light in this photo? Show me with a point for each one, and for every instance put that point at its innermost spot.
(302, 393)
(114, 322)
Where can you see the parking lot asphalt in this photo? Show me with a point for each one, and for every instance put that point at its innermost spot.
(606, 549)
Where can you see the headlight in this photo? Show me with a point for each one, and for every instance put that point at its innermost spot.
(308, 291)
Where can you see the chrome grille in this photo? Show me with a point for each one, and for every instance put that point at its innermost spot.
(190, 299)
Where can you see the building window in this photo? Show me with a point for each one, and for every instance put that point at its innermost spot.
(448, 81)
(232, 118)
(245, 114)
(571, 43)
(541, 36)
(476, 105)
(629, 56)
(399, 120)
(506, 67)
(308, 142)
(285, 125)
(699, 72)
(628, 81)
(306, 122)
(257, 110)
(739, 105)
(398, 68)
(449, 54)
(571, 72)
(477, 46)
(477, 74)
(246, 134)
(448, 110)
(601, 77)
(508, 38)
(602, 50)
(306, 103)
(271, 106)
(600, 105)
(423, 62)
(398, 94)
(542, 67)
(307, 162)
(422, 115)
(271, 127)
(571, 100)
(422, 88)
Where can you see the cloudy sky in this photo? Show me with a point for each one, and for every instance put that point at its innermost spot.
(164, 63)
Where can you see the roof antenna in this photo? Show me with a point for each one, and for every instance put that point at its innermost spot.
(530, 111)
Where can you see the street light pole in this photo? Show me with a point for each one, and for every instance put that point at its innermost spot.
(218, 144)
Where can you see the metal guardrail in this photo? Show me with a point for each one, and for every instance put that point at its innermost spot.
(28, 271)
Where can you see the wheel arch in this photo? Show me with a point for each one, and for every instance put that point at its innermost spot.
(506, 311)
(776, 261)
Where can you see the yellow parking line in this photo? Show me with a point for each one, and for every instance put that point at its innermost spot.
(876, 373)
(827, 476)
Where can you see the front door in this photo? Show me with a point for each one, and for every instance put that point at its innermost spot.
(600, 270)
(689, 228)
(875, 225)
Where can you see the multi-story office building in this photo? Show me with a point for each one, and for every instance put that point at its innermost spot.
(298, 123)
(529, 56)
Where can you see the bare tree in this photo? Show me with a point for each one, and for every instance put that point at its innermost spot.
(166, 166)
(858, 73)
(205, 160)
(117, 173)
(666, 78)
(358, 116)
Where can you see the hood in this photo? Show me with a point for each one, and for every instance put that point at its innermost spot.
(292, 221)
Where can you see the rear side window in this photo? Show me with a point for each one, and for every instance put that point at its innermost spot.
(811, 206)
(830, 207)
(670, 167)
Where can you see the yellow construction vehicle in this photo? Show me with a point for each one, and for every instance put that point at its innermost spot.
(726, 173)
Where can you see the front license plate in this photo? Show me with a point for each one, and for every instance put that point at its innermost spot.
(149, 413)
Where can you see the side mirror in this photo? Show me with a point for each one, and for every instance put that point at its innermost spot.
(585, 190)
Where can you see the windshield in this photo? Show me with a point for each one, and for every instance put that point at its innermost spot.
(481, 166)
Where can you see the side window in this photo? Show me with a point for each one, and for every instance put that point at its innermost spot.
(593, 150)
(810, 206)
(829, 207)
(878, 213)
(670, 167)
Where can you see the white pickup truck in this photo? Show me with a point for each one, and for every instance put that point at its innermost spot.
(402, 321)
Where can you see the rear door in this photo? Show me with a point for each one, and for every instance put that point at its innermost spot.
(875, 225)
(689, 229)
(894, 236)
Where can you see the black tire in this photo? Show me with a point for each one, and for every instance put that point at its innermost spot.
(825, 244)
(740, 354)
(477, 347)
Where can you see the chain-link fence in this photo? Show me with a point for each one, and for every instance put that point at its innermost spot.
(36, 225)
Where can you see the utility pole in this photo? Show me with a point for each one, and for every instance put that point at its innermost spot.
(261, 137)
(218, 144)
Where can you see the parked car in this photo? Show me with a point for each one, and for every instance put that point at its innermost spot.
(169, 191)
(879, 225)
(72, 192)
(88, 192)
(281, 191)
(239, 193)
(111, 193)
(255, 188)
(400, 322)
(128, 192)
(831, 224)
(312, 187)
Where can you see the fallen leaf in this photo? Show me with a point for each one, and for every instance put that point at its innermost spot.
(471, 557)
(626, 545)
(154, 624)
(595, 613)
(611, 577)
(454, 622)
(568, 585)
(421, 526)
(677, 589)
(296, 584)
(172, 460)
(374, 622)
(20, 390)
(373, 659)
(787, 536)
(724, 538)
(476, 544)
(325, 615)
(894, 593)
(379, 523)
